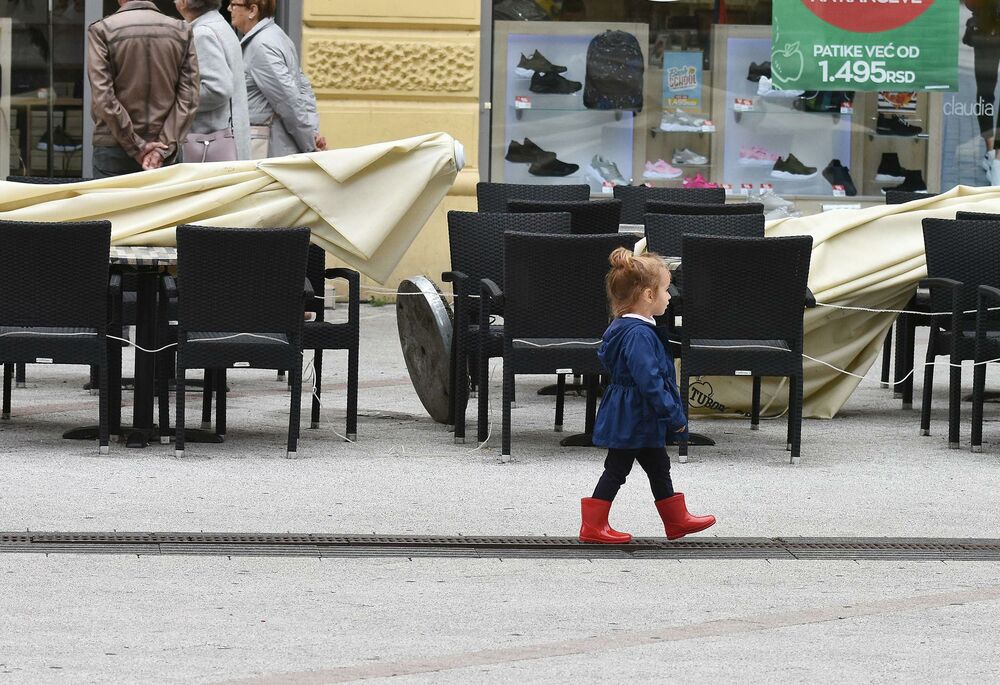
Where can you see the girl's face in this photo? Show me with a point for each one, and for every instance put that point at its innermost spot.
(661, 298)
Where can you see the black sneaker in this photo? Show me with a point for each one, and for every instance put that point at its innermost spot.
(551, 166)
(538, 63)
(758, 70)
(62, 141)
(527, 152)
(889, 169)
(914, 182)
(553, 84)
(837, 174)
(792, 169)
(895, 125)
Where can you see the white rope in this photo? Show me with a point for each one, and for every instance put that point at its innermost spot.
(897, 311)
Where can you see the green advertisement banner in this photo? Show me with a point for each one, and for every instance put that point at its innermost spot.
(890, 45)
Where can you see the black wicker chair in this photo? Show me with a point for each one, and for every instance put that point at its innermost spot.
(70, 328)
(961, 256)
(555, 310)
(493, 197)
(634, 199)
(237, 281)
(476, 242)
(743, 310)
(653, 207)
(320, 334)
(588, 218)
(905, 326)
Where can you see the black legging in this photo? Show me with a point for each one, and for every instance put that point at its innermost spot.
(986, 54)
(653, 460)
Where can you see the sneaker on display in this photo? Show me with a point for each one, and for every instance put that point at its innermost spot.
(895, 125)
(553, 84)
(537, 63)
(676, 120)
(62, 141)
(792, 169)
(660, 170)
(757, 70)
(606, 170)
(914, 182)
(550, 166)
(757, 156)
(766, 88)
(526, 152)
(686, 156)
(771, 200)
(698, 181)
(836, 174)
(889, 169)
(781, 213)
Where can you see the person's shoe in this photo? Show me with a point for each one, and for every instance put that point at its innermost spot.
(61, 141)
(988, 160)
(757, 156)
(537, 63)
(889, 169)
(697, 181)
(895, 125)
(553, 84)
(527, 152)
(550, 166)
(758, 70)
(660, 170)
(677, 522)
(914, 182)
(792, 169)
(771, 200)
(595, 526)
(686, 156)
(994, 175)
(836, 174)
(606, 170)
(766, 88)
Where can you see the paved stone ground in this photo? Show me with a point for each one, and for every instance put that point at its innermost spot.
(108, 619)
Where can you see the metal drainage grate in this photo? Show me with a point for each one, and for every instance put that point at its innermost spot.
(260, 544)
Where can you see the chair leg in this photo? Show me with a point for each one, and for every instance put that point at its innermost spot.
(8, 376)
(954, 401)
(910, 354)
(115, 384)
(886, 357)
(20, 376)
(163, 394)
(795, 416)
(179, 420)
(295, 376)
(352, 392)
(899, 359)
(560, 401)
(460, 388)
(103, 428)
(755, 405)
(682, 444)
(978, 388)
(219, 376)
(925, 404)
(93, 384)
(281, 375)
(483, 399)
(508, 392)
(207, 389)
(316, 395)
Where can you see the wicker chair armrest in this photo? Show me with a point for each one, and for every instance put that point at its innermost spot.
(810, 299)
(168, 287)
(454, 276)
(956, 309)
(988, 293)
(490, 296)
(931, 283)
(353, 279)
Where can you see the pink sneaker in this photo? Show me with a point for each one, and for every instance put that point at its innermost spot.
(757, 156)
(661, 170)
(698, 182)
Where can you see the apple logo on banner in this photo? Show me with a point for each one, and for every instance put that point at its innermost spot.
(868, 17)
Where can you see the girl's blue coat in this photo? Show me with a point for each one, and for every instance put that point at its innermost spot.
(642, 403)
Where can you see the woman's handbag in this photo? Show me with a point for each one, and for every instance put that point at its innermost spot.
(218, 146)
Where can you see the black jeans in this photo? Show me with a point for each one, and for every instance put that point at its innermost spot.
(653, 460)
(986, 58)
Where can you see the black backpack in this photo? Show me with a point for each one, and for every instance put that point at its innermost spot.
(615, 68)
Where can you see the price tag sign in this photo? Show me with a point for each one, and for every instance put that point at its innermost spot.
(522, 102)
(608, 188)
(839, 191)
(847, 108)
(745, 188)
(766, 186)
(708, 126)
(728, 187)
(743, 105)
(830, 208)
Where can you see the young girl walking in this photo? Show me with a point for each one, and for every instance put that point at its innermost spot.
(641, 404)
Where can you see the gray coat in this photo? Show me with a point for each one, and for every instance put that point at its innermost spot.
(220, 63)
(278, 91)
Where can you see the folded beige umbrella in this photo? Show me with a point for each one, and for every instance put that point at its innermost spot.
(365, 205)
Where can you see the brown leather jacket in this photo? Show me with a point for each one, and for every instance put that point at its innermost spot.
(143, 74)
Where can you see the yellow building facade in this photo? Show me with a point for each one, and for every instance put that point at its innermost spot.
(388, 69)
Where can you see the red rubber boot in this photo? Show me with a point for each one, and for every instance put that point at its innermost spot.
(677, 522)
(595, 526)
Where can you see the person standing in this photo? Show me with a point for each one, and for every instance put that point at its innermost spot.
(143, 75)
(223, 94)
(282, 104)
(982, 33)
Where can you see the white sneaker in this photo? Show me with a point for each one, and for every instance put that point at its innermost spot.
(988, 160)
(781, 213)
(771, 200)
(686, 156)
(676, 120)
(765, 87)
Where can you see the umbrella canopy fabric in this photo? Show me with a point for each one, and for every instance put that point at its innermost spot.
(365, 205)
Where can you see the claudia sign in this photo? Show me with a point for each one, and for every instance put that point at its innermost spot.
(894, 45)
